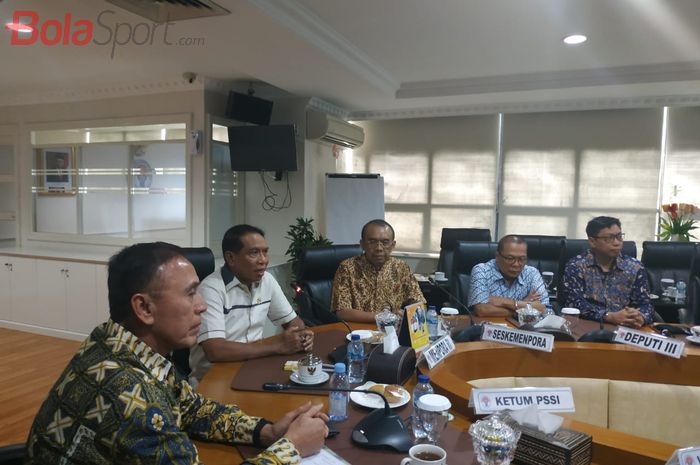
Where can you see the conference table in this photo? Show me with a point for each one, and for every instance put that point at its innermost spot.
(477, 360)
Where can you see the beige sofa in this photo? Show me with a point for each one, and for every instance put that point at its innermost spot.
(664, 412)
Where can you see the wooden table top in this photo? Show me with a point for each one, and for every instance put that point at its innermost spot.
(610, 447)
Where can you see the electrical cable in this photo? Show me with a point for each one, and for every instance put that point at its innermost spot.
(270, 198)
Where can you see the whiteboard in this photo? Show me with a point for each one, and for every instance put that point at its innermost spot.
(351, 201)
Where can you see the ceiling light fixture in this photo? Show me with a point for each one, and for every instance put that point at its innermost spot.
(19, 27)
(575, 39)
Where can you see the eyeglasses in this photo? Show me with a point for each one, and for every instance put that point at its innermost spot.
(386, 243)
(510, 259)
(608, 239)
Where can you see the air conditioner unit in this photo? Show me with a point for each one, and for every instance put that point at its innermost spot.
(320, 126)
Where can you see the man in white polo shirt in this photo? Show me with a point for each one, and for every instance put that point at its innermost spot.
(240, 297)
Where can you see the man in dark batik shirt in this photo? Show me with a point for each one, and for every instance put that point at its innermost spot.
(605, 284)
(121, 401)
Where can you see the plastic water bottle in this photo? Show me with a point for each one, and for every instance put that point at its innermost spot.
(432, 318)
(548, 310)
(356, 360)
(680, 292)
(338, 400)
(422, 387)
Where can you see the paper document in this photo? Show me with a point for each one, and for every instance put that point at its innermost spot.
(324, 457)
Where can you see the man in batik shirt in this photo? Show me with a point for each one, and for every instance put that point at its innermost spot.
(368, 283)
(605, 284)
(120, 401)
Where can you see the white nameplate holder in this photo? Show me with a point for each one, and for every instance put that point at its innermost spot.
(492, 400)
(517, 337)
(685, 456)
(440, 349)
(649, 341)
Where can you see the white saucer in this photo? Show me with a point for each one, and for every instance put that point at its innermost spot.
(372, 401)
(322, 378)
(653, 296)
(693, 340)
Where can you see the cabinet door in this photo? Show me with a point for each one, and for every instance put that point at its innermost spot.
(23, 295)
(5, 287)
(81, 297)
(51, 294)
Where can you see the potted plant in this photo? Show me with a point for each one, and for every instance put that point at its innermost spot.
(679, 222)
(302, 236)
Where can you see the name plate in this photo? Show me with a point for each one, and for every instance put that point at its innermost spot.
(517, 337)
(440, 349)
(650, 341)
(688, 456)
(487, 401)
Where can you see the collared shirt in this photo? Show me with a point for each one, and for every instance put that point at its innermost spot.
(487, 280)
(120, 402)
(595, 292)
(237, 313)
(358, 285)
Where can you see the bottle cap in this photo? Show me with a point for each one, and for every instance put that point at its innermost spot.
(449, 311)
(355, 337)
(423, 378)
(434, 403)
(340, 367)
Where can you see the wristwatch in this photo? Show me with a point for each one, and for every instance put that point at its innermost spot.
(604, 316)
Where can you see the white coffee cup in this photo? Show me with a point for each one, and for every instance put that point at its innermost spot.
(695, 330)
(439, 276)
(425, 454)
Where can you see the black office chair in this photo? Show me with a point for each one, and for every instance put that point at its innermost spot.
(202, 258)
(317, 266)
(12, 454)
(666, 260)
(544, 252)
(448, 243)
(467, 255)
(691, 315)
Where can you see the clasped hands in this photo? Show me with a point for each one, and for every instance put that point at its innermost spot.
(295, 339)
(304, 426)
(628, 316)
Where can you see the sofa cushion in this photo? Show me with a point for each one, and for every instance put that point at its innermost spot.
(664, 412)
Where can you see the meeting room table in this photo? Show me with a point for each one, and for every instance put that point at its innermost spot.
(609, 447)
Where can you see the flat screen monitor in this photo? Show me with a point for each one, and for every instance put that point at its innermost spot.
(248, 109)
(262, 148)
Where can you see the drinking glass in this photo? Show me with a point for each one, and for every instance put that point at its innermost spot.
(548, 278)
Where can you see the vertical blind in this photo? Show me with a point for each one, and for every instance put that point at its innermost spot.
(558, 170)
(437, 172)
(562, 169)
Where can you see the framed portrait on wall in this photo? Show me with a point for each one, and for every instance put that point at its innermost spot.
(56, 171)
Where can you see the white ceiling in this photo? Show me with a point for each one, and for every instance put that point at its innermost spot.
(382, 57)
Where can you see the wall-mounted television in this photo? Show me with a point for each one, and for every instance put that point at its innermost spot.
(248, 108)
(262, 148)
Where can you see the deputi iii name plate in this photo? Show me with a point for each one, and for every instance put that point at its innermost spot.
(650, 341)
(517, 337)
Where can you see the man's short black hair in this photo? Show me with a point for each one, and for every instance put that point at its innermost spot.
(510, 238)
(232, 239)
(601, 222)
(377, 222)
(133, 270)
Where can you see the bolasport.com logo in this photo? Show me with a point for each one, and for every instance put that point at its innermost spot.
(29, 28)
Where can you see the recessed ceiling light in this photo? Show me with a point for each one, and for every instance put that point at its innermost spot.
(575, 39)
(19, 27)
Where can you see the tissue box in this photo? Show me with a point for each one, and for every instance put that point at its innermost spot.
(563, 447)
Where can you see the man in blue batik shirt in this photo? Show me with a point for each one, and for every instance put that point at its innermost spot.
(502, 285)
(605, 284)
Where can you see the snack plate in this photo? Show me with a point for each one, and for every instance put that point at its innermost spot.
(372, 401)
